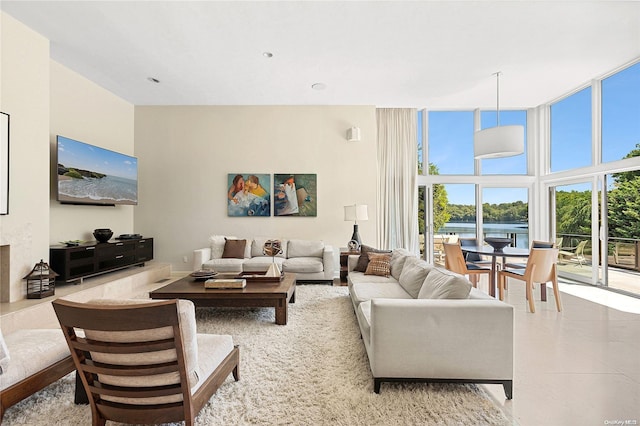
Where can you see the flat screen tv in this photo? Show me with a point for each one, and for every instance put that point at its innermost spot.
(88, 174)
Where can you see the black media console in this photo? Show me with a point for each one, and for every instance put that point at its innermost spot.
(88, 259)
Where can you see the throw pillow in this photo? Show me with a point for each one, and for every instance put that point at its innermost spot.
(413, 274)
(363, 260)
(234, 249)
(379, 264)
(444, 284)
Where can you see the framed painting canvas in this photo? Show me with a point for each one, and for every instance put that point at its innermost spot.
(295, 194)
(248, 194)
(4, 163)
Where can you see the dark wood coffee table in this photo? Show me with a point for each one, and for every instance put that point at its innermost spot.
(257, 294)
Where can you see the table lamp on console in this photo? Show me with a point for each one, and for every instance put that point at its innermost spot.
(355, 213)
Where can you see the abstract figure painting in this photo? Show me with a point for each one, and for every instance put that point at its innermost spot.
(247, 194)
(295, 194)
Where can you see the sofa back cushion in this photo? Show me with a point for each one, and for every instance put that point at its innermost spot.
(413, 274)
(363, 260)
(305, 248)
(444, 284)
(258, 244)
(398, 257)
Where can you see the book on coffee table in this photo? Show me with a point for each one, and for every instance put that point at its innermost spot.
(225, 283)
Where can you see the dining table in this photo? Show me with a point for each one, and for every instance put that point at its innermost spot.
(505, 252)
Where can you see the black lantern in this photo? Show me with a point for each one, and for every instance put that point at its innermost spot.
(41, 281)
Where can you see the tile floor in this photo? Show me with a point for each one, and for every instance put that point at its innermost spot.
(577, 367)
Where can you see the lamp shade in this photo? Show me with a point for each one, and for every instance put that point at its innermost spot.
(356, 212)
(499, 141)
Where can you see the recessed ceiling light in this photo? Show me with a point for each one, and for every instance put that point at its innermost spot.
(153, 80)
(267, 54)
(318, 86)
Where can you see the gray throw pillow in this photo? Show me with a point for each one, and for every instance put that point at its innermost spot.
(413, 274)
(363, 260)
(444, 284)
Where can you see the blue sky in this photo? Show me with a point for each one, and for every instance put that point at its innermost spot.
(451, 136)
(81, 155)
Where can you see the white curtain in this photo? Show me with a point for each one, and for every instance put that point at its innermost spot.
(397, 174)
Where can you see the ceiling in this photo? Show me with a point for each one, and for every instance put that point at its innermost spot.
(435, 54)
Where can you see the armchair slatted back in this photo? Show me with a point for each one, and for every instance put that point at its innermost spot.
(131, 360)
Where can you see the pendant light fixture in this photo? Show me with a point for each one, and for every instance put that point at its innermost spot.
(499, 141)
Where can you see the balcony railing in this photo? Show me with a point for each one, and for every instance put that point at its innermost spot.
(621, 252)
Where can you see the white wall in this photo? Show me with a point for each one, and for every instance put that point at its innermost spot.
(186, 152)
(24, 94)
(84, 111)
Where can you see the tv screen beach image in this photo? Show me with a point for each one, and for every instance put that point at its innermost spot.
(88, 174)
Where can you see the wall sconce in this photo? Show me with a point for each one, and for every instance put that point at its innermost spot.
(353, 134)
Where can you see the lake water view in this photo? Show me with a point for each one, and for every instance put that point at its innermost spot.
(468, 230)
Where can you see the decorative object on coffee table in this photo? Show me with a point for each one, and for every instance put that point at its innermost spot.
(498, 243)
(203, 274)
(355, 213)
(273, 248)
(103, 235)
(41, 281)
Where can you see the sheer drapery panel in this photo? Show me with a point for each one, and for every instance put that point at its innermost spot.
(397, 205)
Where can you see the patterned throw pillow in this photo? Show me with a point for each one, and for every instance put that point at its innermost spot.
(363, 260)
(379, 264)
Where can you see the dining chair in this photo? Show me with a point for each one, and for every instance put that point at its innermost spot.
(142, 362)
(454, 261)
(541, 268)
(474, 258)
(534, 244)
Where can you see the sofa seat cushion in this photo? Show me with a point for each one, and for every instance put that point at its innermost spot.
(261, 263)
(305, 248)
(413, 274)
(444, 284)
(361, 292)
(364, 319)
(31, 351)
(359, 277)
(303, 264)
(224, 265)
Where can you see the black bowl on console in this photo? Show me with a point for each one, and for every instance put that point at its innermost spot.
(498, 243)
(103, 234)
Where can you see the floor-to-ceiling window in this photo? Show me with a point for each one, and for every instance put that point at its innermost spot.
(587, 153)
(452, 196)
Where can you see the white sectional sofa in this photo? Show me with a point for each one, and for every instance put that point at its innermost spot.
(310, 260)
(425, 323)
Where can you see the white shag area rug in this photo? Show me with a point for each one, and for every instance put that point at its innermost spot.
(313, 371)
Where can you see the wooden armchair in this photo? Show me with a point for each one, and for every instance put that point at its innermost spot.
(454, 261)
(142, 362)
